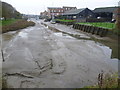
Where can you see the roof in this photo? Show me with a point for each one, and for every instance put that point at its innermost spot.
(68, 7)
(74, 11)
(55, 8)
(105, 9)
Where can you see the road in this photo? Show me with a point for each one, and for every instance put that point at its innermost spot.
(37, 57)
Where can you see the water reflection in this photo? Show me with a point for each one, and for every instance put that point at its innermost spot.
(113, 45)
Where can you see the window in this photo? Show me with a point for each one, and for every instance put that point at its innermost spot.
(51, 10)
(59, 10)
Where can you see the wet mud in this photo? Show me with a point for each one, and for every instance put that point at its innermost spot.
(41, 57)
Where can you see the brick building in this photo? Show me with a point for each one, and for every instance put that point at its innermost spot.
(66, 8)
(55, 11)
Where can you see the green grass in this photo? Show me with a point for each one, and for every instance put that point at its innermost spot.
(101, 24)
(65, 20)
(8, 22)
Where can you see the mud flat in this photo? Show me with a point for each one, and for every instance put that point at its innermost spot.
(38, 57)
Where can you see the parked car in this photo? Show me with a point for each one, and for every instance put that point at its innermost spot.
(45, 20)
(113, 21)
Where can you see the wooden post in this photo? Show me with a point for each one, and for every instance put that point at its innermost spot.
(2, 55)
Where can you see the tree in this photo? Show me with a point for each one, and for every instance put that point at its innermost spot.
(8, 11)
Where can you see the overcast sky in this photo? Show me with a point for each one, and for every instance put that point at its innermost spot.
(37, 6)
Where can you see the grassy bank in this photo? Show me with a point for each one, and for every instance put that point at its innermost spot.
(9, 21)
(12, 25)
(101, 24)
(111, 26)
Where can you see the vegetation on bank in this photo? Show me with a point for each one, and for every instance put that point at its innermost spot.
(117, 28)
(106, 81)
(8, 22)
(65, 20)
(12, 25)
(11, 19)
(4, 83)
(117, 23)
(100, 24)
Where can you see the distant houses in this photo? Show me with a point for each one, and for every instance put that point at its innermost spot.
(55, 11)
(104, 14)
(107, 13)
(79, 14)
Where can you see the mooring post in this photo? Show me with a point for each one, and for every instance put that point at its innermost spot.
(2, 55)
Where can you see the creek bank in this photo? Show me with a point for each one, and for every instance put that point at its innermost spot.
(20, 24)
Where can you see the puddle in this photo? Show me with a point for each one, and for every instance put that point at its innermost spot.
(107, 51)
(28, 29)
(60, 34)
(22, 34)
(113, 61)
(9, 35)
(71, 36)
(84, 36)
(112, 44)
